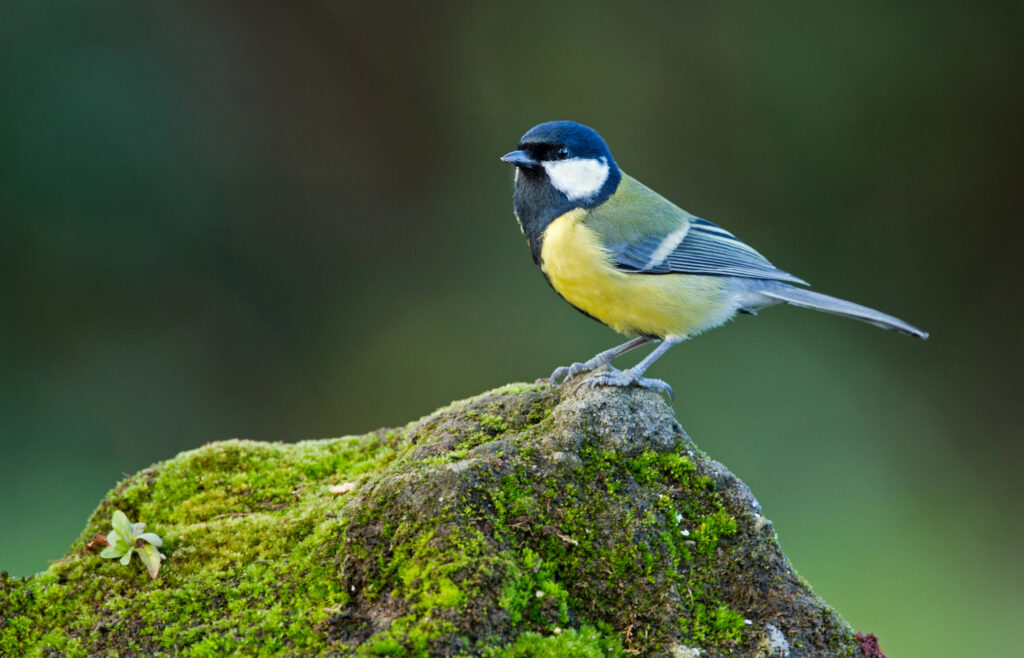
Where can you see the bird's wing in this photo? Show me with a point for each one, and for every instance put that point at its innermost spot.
(700, 248)
(645, 233)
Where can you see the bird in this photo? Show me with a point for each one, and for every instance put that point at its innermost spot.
(629, 258)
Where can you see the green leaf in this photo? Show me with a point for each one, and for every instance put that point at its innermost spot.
(151, 558)
(117, 541)
(111, 552)
(121, 525)
(152, 538)
(127, 558)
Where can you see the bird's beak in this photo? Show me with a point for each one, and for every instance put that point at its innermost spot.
(520, 159)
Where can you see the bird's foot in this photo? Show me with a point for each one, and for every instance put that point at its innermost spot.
(565, 373)
(625, 378)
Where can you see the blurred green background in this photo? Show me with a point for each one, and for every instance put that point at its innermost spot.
(288, 220)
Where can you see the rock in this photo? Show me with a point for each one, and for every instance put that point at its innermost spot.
(528, 521)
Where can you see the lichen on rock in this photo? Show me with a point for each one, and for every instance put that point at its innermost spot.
(527, 521)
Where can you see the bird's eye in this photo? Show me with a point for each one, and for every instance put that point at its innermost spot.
(562, 153)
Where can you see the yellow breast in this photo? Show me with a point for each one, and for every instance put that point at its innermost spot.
(661, 305)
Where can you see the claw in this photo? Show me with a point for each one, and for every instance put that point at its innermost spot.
(566, 373)
(626, 378)
(602, 359)
(562, 373)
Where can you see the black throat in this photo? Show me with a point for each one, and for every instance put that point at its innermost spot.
(537, 203)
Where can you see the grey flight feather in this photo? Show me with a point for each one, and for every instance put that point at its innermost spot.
(819, 302)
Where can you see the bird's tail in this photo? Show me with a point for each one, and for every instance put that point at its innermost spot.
(819, 302)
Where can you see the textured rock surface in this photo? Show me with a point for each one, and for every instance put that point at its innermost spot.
(527, 521)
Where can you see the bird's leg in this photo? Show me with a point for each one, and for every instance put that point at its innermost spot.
(602, 359)
(633, 375)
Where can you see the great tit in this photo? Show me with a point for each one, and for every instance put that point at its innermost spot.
(624, 255)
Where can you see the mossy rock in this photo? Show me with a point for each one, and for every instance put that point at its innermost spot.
(528, 521)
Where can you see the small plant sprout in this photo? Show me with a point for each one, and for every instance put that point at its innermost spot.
(127, 538)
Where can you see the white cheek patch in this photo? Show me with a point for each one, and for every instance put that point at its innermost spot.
(577, 178)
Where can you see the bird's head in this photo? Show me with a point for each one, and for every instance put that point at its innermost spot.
(566, 159)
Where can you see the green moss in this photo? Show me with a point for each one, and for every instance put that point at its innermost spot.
(586, 642)
(569, 514)
(242, 523)
(494, 425)
(712, 528)
(537, 413)
(410, 635)
(650, 466)
(511, 389)
(479, 530)
(716, 625)
(423, 567)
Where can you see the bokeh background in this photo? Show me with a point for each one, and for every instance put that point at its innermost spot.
(288, 220)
